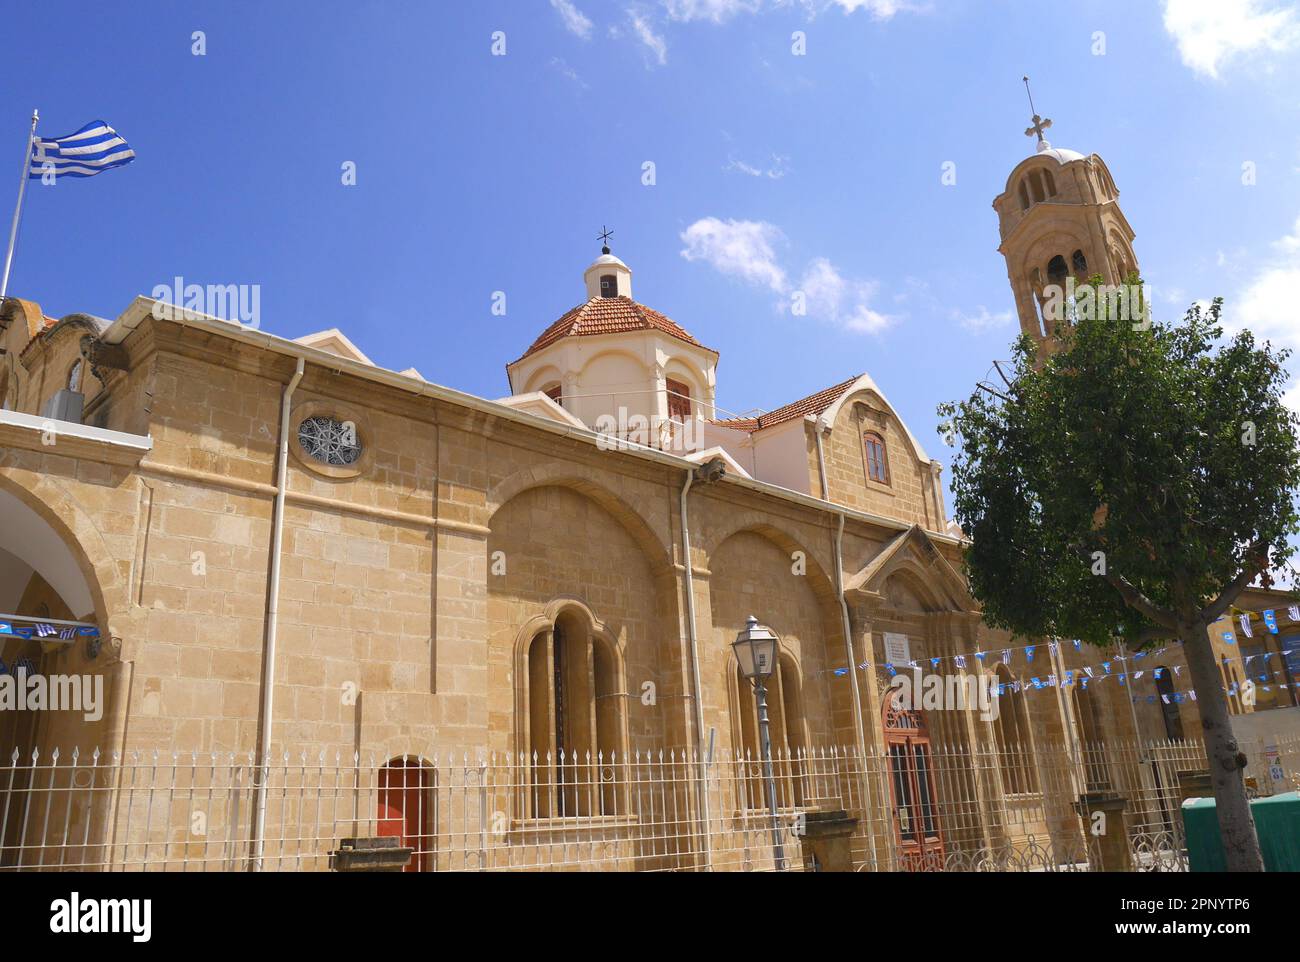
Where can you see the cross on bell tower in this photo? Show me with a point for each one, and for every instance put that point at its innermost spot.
(604, 236)
(1040, 125)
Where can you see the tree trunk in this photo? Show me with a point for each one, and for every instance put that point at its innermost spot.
(1236, 824)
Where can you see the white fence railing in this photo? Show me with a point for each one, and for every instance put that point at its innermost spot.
(939, 807)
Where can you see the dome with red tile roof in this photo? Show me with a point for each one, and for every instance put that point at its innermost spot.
(610, 315)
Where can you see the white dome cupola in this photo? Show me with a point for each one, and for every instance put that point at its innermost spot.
(607, 276)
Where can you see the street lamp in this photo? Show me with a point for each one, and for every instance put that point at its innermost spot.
(755, 648)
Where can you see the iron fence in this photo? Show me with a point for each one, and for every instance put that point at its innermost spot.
(932, 807)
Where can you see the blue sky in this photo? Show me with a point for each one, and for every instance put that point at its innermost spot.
(773, 172)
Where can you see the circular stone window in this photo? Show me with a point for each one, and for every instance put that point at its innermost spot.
(330, 441)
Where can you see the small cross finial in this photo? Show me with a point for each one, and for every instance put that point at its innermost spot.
(604, 235)
(1040, 124)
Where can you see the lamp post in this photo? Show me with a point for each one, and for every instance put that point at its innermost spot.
(755, 648)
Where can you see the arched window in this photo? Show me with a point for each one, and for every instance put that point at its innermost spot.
(877, 459)
(1024, 195)
(679, 400)
(556, 394)
(1234, 693)
(1057, 272)
(1036, 186)
(1051, 184)
(786, 730)
(1169, 707)
(1011, 732)
(574, 712)
(1036, 280)
(1095, 770)
(608, 285)
(1080, 264)
(74, 377)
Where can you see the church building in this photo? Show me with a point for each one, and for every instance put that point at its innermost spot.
(276, 555)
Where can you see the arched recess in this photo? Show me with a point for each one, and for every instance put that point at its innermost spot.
(541, 378)
(818, 576)
(794, 596)
(788, 727)
(571, 550)
(563, 476)
(46, 571)
(38, 530)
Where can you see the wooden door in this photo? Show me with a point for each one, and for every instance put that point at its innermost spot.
(403, 809)
(911, 781)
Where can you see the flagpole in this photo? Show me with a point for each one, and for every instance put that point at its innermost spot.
(18, 210)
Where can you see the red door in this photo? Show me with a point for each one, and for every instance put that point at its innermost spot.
(403, 809)
(911, 781)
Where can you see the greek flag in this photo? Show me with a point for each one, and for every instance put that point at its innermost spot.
(93, 148)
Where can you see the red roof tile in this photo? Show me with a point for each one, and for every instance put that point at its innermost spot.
(813, 404)
(610, 315)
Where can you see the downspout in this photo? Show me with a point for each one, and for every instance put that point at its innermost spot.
(272, 617)
(701, 773)
(859, 725)
(818, 426)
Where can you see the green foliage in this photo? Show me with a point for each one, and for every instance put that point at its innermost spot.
(1131, 440)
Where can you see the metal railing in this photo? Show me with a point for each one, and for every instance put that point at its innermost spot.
(946, 807)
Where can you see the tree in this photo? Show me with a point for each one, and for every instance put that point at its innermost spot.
(1131, 484)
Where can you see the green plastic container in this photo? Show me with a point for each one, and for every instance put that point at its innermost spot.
(1277, 823)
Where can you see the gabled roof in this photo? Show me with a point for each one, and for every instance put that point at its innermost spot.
(915, 549)
(610, 315)
(813, 404)
(333, 341)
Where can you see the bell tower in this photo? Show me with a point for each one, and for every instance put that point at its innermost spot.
(1059, 218)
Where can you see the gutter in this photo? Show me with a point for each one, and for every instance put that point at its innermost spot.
(272, 622)
(143, 306)
(859, 723)
(701, 772)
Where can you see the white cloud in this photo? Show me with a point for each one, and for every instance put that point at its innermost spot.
(845, 301)
(1292, 398)
(742, 248)
(645, 32)
(1211, 32)
(716, 10)
(775, 172)
(984, 320)
(879, 9)
(560, 64)
(1267, 303)
(575, 21)
(746, 249)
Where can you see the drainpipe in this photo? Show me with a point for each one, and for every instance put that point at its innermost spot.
(859, 725)
(701, 774)
(272, 617)
(820, 425)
